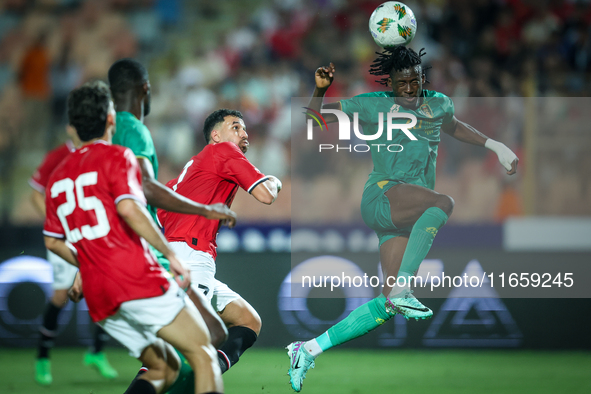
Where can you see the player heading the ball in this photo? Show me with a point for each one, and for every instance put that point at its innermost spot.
(398, 200)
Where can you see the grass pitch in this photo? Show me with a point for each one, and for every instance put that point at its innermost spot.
(263, 371)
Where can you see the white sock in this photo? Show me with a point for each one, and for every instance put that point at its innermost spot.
(313, 348)
(396, 290)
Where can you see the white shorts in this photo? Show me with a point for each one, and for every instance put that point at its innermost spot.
(202, 266)
(63, 272)
(137, 322)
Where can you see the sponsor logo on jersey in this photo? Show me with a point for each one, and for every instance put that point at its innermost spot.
(426, 110)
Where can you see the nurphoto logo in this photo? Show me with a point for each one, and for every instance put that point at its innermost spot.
(345, 130)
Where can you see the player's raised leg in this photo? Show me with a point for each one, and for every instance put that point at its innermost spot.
(362, 320)
(241, 319)
(215, 325)
(426, 211)
(359, 322)
(202, 289)
(244, 325)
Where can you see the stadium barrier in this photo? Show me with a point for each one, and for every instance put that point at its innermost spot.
(461, 318)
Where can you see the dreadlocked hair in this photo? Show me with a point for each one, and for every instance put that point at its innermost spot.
(396, 59)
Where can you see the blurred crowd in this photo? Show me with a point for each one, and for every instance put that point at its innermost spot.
(256, 55)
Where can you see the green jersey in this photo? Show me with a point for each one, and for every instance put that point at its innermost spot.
(399, 158)
(133, 134)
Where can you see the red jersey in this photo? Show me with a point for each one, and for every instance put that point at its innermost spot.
(81, 200)
(211, 177)
(39, 179)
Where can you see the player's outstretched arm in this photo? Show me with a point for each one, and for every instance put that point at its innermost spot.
(466, 133)
(165, 198)
(324, 77)
(140, 221)
(59, 247)
(267, 191)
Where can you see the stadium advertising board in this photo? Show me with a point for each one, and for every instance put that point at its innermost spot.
(463, 316)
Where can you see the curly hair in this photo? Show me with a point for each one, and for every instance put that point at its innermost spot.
(216, 118)
(88, 107)
(396, 59)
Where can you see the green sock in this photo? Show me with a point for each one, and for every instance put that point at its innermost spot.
(362, 320)
(185, 382)
(421, 239)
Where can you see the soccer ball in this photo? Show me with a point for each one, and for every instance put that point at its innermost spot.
(392, 24)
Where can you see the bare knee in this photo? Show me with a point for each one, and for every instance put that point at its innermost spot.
(241, 313)
(445, 203)
(250, 319)
(255, 323)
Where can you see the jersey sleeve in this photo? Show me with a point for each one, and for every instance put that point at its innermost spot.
(449, 110)
(358, 104)
(41, 176)
(125, 177)
(140, 142)
(52, 226)
(233, 165)
(352, 106)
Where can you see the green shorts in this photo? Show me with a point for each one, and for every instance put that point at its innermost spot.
(376, 211)
(160, 258)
